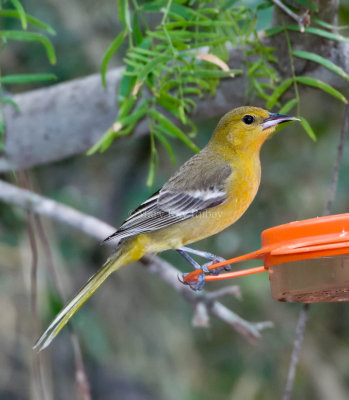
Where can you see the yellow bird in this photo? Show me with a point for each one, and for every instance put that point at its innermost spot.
(206, 195)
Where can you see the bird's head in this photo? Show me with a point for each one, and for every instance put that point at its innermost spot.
(246, 128)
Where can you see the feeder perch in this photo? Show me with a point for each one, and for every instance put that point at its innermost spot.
(307, 261)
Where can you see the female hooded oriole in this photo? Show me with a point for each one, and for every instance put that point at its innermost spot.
(207, 194)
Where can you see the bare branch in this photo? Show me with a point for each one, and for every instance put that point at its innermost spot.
(33, 202)
(68, 118)
(298, 18)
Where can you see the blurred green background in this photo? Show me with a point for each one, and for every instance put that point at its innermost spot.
(136, 333)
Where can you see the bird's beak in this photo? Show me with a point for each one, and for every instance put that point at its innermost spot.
(276, 119)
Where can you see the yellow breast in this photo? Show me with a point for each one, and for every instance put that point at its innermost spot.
(241, 189)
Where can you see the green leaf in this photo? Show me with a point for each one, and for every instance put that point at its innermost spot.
(131, 120)
(322, 33)
(167, 145)
(125, 86)
(305, 124)
(114, 45)
(254, 66)
(153, 6)
(274, 30)
(121, 11)
(288, 106)
(27, 78)
(22, 15)
(135, 116)
(259, 88)
(308, 4)
(265, 5)
(146, 51)
(279, 91)
(185, 12)
(148, 68)
(305, 80)
(228, 4)
(126, 106)
(323, 61)
(176, 111)
(208, 24)
(168, 125)
(137, 33)
(182, 35)
(310, 29)
(197, 81)
(32, 37)
(124, 14)
(326, 25)
(7, 100)
(191, 90)
(114, 135)
(190, 103)
(30, 19)
(154, 158)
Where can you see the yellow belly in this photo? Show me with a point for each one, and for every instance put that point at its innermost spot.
(243, 187)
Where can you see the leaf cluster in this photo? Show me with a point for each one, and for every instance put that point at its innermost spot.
(168, 66)
(185, 56)
(326, 31)
(13, 10)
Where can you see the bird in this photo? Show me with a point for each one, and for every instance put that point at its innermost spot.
(208, 193)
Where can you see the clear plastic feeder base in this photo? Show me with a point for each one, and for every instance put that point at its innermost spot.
(323, 279)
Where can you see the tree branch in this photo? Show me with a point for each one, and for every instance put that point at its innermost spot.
(68, 118)
(99, 230)
(298, 18)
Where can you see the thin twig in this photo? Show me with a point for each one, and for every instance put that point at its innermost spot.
(83, 386)
(95, 228)
(80, 371)
(36, 360)
(201, 317)
(337, 163)
(298, 18)
(303, 316)
(169, 274)
(233, 290)
(297, 345)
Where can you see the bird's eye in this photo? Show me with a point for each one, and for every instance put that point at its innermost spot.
(248, 119)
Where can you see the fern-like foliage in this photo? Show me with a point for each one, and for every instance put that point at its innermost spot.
(183, 56)
(187, 54)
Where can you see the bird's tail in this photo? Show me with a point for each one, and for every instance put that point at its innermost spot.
(125, 255)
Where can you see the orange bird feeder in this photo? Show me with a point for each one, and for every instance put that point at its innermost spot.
(307, 261)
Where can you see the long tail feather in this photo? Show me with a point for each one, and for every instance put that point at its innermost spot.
(116, 261)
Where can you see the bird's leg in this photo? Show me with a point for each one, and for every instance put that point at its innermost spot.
(208, 256)
(183, 252)
(199, 284)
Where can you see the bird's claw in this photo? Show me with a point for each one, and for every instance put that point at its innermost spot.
(215, 271)
(196, 285)
(199, 281)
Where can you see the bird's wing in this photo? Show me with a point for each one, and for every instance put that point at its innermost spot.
(175, 203)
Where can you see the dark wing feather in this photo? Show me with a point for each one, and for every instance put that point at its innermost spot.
(176, 202)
